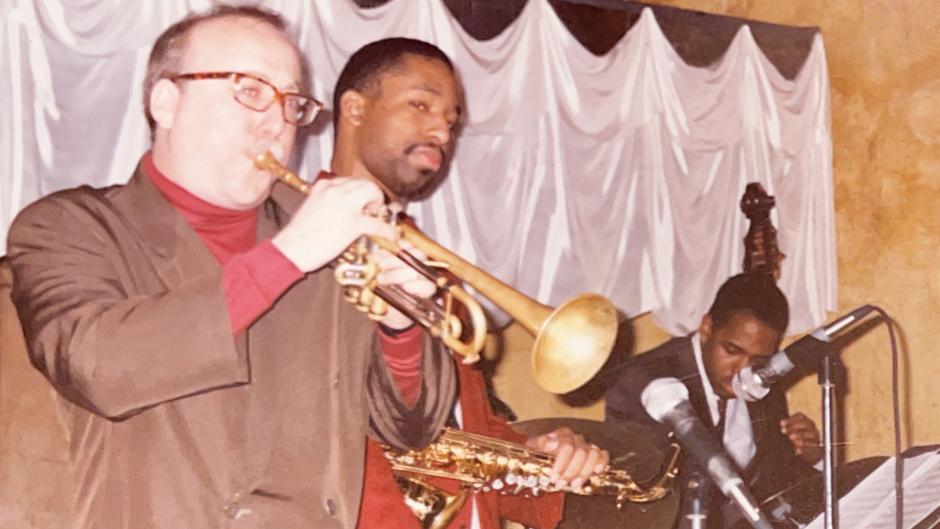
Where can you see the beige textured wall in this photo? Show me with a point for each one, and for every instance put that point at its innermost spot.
(35, 492)
(884, 63)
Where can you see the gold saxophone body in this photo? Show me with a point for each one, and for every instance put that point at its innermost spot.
(483, 464)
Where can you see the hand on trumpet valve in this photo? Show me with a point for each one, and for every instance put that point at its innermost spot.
(336, 212)
(575, 459)
(394, 271)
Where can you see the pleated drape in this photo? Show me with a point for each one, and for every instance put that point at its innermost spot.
(619, 174)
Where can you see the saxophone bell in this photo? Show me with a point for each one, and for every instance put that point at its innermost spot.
(433, 507)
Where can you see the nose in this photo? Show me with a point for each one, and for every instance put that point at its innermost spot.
(439, 129)
(272, 121)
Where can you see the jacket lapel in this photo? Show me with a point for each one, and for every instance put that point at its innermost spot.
(687, 368)
(761, 428)
(175, 253)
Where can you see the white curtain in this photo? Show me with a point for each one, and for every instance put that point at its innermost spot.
(619, 174)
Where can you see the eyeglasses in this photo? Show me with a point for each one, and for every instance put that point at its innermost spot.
(258, 95)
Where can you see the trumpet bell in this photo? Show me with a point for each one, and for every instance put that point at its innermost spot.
(574, 342)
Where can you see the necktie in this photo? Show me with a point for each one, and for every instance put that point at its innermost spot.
(722, 407)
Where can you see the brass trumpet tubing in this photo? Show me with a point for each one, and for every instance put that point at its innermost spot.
(529, 313)
(572, 342)
(356, 271)
(267, 162)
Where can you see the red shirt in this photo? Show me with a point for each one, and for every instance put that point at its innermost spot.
(255, 274)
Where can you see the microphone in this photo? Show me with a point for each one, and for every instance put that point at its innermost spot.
(752, 384)
(667, 401)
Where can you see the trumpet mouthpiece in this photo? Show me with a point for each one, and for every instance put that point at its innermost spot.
(276, 150)
(268, 155)
(267, 160)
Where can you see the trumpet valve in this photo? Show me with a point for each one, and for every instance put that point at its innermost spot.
(351, 295)
(378, 308)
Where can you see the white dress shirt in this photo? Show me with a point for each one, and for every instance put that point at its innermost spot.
(738, 436)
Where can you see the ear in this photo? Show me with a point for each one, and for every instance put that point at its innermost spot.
(163, 100)
(705, 329)
(352, 107)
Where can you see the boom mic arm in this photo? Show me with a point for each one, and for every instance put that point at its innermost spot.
(753, 384)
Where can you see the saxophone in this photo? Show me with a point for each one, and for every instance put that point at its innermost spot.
(484, 464)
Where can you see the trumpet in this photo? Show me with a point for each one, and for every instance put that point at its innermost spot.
(572, 342)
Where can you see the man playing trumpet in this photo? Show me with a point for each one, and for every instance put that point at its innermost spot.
(212, 374)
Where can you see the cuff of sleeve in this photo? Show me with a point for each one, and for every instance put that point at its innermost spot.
(403, 350)
(277, 272)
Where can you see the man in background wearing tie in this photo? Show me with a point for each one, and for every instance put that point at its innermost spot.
(743, 327)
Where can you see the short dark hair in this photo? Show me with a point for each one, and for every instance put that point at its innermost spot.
(755, 294)
(364, 68)
(171, 46)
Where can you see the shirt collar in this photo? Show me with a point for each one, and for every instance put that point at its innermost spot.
(710, 395)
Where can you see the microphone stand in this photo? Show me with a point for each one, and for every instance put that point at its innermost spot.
(696, 489)
(828, 427)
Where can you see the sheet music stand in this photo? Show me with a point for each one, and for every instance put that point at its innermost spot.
(871, 504)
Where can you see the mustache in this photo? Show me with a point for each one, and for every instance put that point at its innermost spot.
(415, 146)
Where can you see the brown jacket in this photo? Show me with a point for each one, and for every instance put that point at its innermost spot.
(175, 424)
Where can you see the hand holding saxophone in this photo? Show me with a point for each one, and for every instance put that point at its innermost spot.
(575, 459)
(483, 464)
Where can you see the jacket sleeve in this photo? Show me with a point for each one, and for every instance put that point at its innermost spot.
(110, 333)
(622, 405)
(540, 512)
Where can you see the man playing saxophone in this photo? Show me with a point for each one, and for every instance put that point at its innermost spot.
(398, 109)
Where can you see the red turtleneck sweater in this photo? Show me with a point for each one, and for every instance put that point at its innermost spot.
(254, 274)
